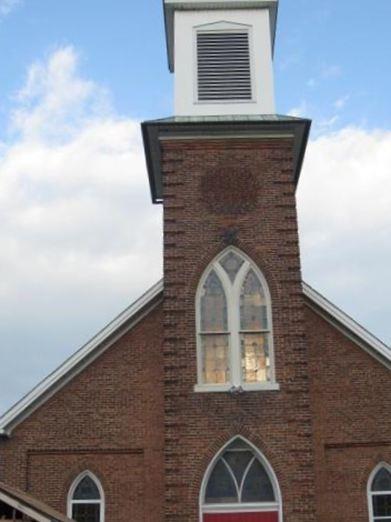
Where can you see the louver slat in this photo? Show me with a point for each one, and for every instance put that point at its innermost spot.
(223, 67)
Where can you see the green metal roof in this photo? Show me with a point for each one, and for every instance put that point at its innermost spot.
(228, 118)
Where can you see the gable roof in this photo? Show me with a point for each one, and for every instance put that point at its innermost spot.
(348, 326)
(137, 311)
(30, 506)
(82, 358)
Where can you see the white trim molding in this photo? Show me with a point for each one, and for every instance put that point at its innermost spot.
(101, 501)
(224, 28)
(244, 507)
(348, 326)
(371, 494)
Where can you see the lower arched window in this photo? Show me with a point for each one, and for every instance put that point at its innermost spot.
(240, 486)
(379, 492)
(86, 499)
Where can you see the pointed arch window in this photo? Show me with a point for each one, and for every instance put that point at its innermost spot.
(86, 499)
(234, 326)
(240, 482)
(379, 494)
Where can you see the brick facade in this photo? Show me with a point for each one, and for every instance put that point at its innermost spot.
(351, 402)
(201, 217)
(132, 418)
(109, 420)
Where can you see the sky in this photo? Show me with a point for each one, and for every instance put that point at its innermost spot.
(79, 237)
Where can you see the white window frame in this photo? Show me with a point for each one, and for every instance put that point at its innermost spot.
(76, 482)
(372, 494)
(223, 27)
(232, 293)
(241, 507)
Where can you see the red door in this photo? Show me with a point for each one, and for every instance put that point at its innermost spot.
(270, 516)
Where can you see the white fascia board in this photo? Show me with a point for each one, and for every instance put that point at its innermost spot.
(348, 326)
(170, 6)
(79, 360)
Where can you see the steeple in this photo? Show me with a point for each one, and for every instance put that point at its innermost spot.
(221, 52)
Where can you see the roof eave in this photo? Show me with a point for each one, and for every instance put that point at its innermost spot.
(154, 130)
(347, 325)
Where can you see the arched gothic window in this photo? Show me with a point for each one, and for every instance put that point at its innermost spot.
(234, 326)
(379, 494)
(86, 499)
(240, 482)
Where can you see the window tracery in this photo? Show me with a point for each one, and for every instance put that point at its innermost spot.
(240, 481)
(379, 493)
(234, 324)
(86, 499)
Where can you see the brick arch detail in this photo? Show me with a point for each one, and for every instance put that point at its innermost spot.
(368, 470)
(216, 447)
(77, 470)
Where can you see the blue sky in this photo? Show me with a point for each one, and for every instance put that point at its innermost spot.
(79, 238)
(328, 52)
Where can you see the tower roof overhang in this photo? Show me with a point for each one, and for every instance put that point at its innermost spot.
(220, 127)
(170, 6)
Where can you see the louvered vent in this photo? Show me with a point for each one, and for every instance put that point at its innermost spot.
(223, 66)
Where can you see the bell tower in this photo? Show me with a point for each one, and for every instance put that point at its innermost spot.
(237, 414)
(221, 54)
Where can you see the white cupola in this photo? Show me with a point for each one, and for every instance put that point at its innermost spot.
(221, 54)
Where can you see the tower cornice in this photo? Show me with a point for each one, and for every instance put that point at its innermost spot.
(155, 132)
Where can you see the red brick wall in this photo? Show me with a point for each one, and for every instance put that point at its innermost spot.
(108, 419)
(351, 400)
(214, 190)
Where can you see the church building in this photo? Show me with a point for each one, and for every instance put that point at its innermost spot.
(231, 391)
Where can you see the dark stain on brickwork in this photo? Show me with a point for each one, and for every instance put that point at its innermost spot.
(230, 187)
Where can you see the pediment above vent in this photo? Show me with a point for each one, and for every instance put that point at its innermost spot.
(221, 25)
(170, 6)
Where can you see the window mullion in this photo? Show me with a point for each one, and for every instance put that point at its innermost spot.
(235, 379)
(244, 477)
(235, 327)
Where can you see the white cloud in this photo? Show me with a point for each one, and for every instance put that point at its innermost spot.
(341, 102)
(344, 202)
(325, 125)
(55, 102)
(6, 6)
(300, 111)
(79, 238)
